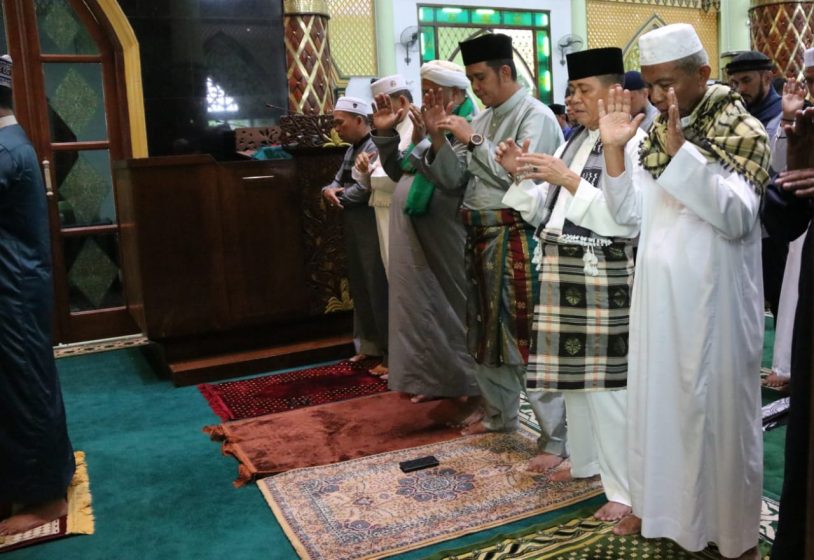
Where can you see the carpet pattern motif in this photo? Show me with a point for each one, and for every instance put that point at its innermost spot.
(367, 508)
(579, 538)
(78, 521)
(249, 398)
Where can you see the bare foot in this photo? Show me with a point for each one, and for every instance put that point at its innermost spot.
(751, 554)
(422, 398)
(474, 418)
(544, 462)
(629, 525)
(357, 358)
(31, 517)
(379, 370)
(476, 428)
(613, 511)
(776, 380)
(562, 473)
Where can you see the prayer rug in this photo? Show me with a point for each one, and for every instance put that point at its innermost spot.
(249, 398)
(78, 520)
(367, 508)
(580, 537)
(334, 432)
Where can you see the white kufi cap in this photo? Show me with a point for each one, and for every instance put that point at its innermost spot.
(388, 85)
(445, 74)
(808, 58)
(668, 43)
(353, 105)
(5, 71)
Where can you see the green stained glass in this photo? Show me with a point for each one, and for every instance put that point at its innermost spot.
(61, 31)
(76, 102)
(426, 15)
(541, 20)
(85, 188)
(486, 16)
(94, 279)
(452, 15)
(517, 18)
(543, 45)
(428, 51)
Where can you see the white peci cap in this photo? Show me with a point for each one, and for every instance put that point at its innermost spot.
(668, 43)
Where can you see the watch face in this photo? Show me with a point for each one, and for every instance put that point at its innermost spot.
(477, 139)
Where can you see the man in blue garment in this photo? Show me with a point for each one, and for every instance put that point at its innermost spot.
(36, 458)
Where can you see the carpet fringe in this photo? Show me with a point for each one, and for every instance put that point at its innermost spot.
(215, 432)
(80, 513)
(216, 403)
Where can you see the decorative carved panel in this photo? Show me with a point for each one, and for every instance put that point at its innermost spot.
(308, 58)
(782, 31)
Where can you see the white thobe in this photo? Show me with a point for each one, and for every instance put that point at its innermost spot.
(382, 188)
(597, 438)
(694, 434)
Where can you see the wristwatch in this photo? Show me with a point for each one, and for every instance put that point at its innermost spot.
(474, 141)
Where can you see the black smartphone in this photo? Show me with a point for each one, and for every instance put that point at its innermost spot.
(418, 464)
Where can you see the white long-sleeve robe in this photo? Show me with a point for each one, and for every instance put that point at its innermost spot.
(694, 434)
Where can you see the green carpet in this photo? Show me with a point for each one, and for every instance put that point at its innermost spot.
(160, 489)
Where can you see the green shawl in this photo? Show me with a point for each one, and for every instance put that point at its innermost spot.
(418, 199)
(722, 129)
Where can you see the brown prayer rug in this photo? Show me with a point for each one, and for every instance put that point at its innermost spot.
(367, 508)
(78, 520)
(248, 398)
(330, 433)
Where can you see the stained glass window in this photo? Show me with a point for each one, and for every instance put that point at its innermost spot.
(443, 27)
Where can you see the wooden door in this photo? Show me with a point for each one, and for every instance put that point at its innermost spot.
(69, 97)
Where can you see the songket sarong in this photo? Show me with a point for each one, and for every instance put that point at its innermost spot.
(581, 321)
(501, 286)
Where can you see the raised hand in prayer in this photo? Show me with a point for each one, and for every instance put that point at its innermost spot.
(675, 137)
(507, 153)
(794, 95)
(800, 147)
(332, 194)
(616, 126)
(459, 127)
(362, 163)
(434, 111)
(543, 167)
(419, 130)
(384, 117)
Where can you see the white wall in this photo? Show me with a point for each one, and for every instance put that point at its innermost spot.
(405, 14)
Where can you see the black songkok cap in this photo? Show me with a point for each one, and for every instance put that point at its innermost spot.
(749, 61)
(595, 62)
(491, 46)
(634, 81)
(557, 108)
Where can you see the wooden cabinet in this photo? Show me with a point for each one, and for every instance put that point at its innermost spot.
(231, 268)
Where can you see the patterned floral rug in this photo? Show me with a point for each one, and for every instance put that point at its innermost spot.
(577, 537)
(78, 521)
(250, 398)
(367, 508)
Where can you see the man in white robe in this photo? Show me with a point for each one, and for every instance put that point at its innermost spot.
(695, 445)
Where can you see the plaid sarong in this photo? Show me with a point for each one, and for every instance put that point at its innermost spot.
(723, 131)
(501, 286)
(581, 321)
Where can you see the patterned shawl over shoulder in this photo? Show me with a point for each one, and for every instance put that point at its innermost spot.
(723, 131)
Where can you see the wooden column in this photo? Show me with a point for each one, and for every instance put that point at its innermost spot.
(782, 31)
(308, 57)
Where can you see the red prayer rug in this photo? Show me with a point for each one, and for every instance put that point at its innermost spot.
(78, 520)
(249, 398)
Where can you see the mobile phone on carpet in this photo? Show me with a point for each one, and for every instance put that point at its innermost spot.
(418, 464)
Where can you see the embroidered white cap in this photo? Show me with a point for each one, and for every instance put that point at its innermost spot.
(668, 43)
(808, 58)
(388, 85)
(445, 74)
(5, 71)
(353, 105)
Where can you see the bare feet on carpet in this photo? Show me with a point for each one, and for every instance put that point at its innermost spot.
(544, 462)
(562, 473)
(473, 429)
(613, 511)
(33, 516)
(477, 414)
(423, 398)
(777, 381)
(751, 554)
(357, 358)
(629, 525)
(379, 371)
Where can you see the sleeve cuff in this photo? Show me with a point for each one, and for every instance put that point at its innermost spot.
(582, 200)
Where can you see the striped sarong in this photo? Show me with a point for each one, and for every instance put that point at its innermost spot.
(581, 321)
(501, 286)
